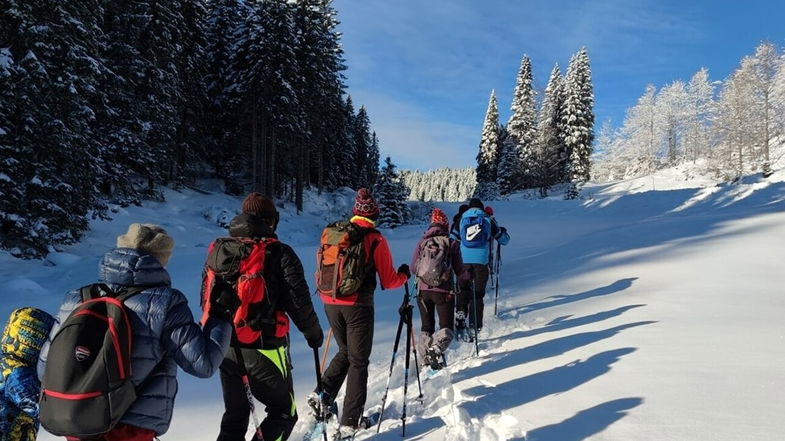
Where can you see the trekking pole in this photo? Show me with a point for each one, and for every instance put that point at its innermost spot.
(414, 349)
(474, 312)
(326, 348)
(491, 262)
(248, 393)
(319, 389)
(498, 268)
(408, 315)
(392, 361)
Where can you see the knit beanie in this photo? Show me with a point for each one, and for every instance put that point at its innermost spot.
(148, 239)
(438, 217)
(259, 205)
(488, 210)
(475, 203)
(364, 205)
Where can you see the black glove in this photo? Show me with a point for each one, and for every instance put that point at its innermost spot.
(314, 337)
(404, 268)
(223, 301)
(503, 230)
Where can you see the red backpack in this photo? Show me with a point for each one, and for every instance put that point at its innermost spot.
(239, 262)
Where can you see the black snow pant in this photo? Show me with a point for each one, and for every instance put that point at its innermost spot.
(269, 374)
(465, 301)
(353, 331)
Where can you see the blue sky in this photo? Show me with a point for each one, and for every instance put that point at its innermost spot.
(424, 69)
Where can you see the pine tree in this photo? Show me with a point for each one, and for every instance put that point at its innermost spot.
(578, 120)
(50, 136)
(373, 161)
(509, 162)
(522, 127)
(487, 157)
(362, 143)
(391, 195)
(551, 148)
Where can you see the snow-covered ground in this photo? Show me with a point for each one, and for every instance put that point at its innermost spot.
(652, 310)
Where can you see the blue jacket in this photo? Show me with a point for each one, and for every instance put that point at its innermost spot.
(480, 255)
(164, 336)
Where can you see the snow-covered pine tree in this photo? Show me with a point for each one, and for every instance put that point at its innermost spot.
(361, 134)
(50, 137)
(190, 146)
(578, 120)
(522, 127)
(508, 168)
(487, 157)
(344, 165)
(319, 58)
(224, 139)
(391, 194)
(550, 144)
(373, 161)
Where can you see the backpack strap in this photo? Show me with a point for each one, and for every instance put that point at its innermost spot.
(97, 290)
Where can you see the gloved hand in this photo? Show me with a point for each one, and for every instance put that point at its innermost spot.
(503, 230)
(223, 301)
(314, 337)
(404, 269)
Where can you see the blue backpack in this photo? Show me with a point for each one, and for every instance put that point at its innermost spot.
(475, 231)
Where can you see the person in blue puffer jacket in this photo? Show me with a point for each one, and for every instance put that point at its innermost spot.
(165, 334)
(476, 231)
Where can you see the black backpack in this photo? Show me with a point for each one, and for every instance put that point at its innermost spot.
(87, 384)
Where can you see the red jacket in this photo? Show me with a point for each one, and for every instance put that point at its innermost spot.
(389, 278)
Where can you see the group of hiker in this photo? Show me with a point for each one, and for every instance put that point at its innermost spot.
(105, 367)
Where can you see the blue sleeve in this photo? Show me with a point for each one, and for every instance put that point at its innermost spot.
(199, 351)
(23, 389)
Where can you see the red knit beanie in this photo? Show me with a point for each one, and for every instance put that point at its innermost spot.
(438, 217)
(488, 210)
(259, 205)
(364, 205)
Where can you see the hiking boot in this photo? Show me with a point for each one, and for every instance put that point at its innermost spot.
(317, 402)
(346, 433)
(460, 320)
(434, 357)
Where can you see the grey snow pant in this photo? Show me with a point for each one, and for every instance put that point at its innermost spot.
(431, 303)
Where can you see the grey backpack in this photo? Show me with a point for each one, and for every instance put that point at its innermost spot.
(433, 266)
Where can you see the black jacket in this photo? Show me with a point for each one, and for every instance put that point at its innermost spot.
(285, 280)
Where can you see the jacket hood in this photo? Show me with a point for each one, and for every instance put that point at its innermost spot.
(474, 212)
(128, 267)
(248, 225)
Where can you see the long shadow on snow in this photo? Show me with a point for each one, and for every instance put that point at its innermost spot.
(662, 226)
(563, 299)
(547, 349)
(586, 422)
(497, 398)
(565, 322)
